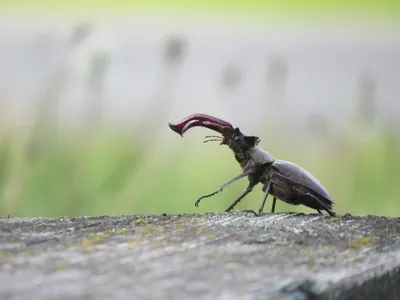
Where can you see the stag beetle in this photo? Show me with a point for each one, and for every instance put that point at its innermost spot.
(282, 179)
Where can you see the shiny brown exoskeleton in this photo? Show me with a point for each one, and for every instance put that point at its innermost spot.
(282, 179)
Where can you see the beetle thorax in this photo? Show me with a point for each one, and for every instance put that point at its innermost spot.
(260, 156)
(252, 157)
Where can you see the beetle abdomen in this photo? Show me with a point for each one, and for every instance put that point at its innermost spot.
(297, 175)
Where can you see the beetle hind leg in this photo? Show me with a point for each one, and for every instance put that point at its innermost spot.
(313, 202)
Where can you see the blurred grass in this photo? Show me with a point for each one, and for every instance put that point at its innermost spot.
(72, 175)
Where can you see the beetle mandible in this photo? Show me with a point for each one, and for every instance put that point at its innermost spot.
(282, 179)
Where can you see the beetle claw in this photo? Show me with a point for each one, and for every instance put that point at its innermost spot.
(253, 212)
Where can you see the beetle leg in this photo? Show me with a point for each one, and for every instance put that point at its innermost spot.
(248, 190)
(273, 205)
(223, 186)
(319, 211)
(265, 198)
(254, 180)
(331, 213)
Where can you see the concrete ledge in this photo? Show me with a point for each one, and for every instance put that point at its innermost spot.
(211, 256)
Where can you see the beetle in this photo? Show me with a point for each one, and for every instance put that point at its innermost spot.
(282, 179)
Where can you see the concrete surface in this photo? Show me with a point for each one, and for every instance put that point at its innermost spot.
(211, 256)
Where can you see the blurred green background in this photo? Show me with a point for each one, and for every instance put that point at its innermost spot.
(94, 164)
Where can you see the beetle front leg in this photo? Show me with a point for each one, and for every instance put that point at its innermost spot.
(244, 174)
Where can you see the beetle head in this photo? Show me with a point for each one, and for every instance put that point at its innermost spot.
(233, 137)
(242, 141)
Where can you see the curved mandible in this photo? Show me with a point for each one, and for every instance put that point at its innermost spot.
(223, 127)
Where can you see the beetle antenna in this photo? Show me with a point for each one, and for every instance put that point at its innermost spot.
(212, 140)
